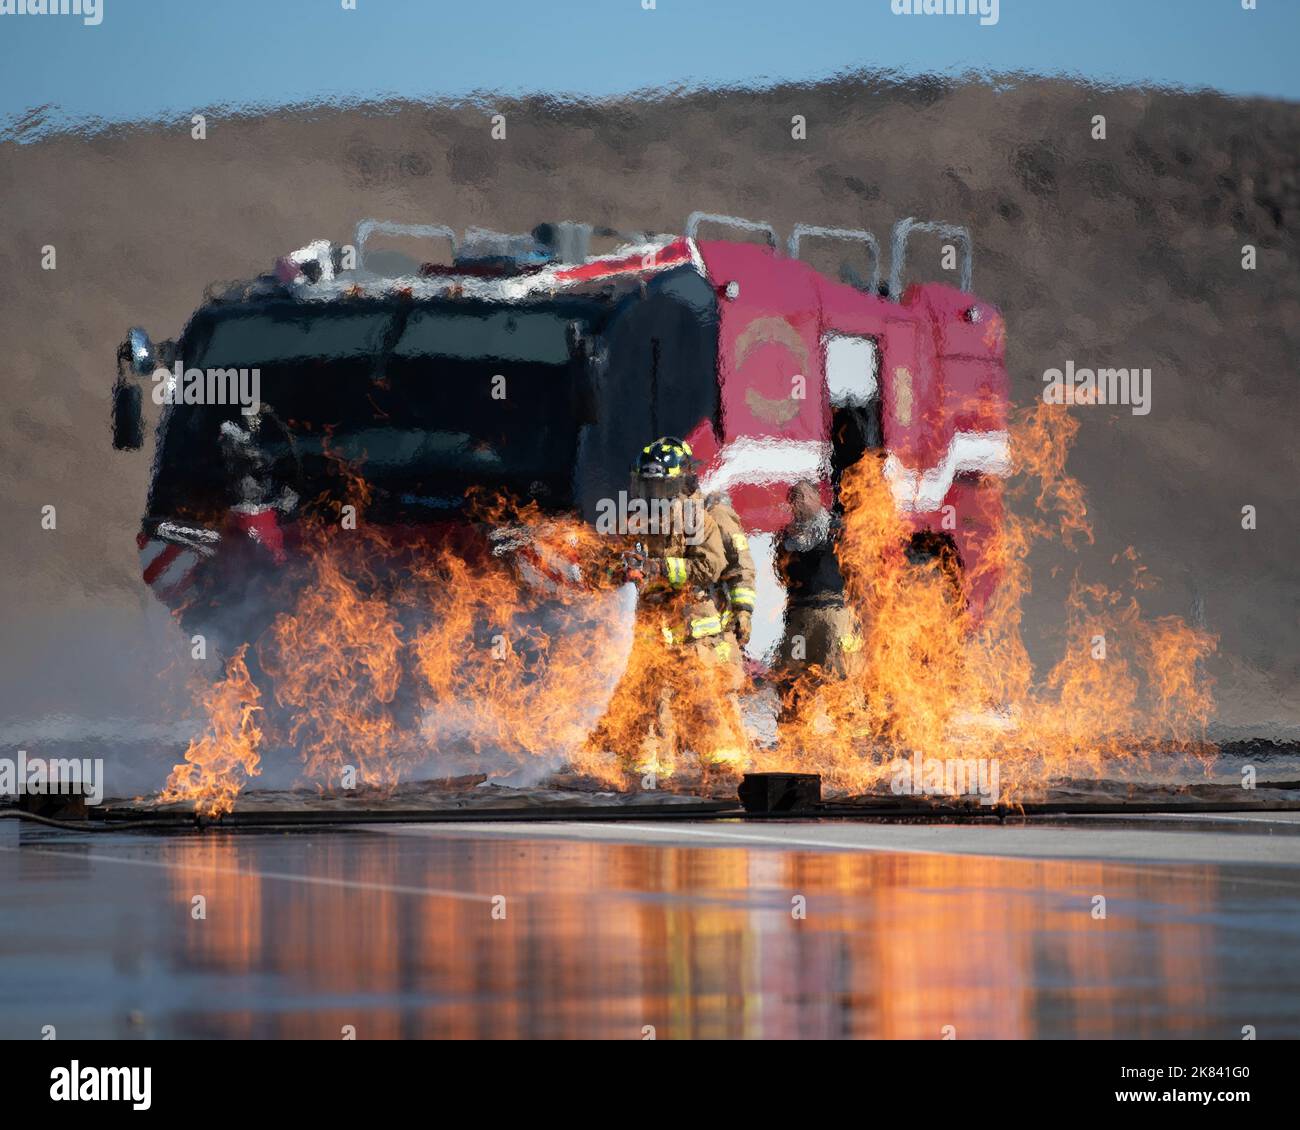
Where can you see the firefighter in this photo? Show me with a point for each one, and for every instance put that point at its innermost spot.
(737, 588)
(820, 628)
(250, 478)
(249, 470)
(735, 591)
(677, 690)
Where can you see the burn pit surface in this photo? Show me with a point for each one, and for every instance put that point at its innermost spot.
(1160, 783)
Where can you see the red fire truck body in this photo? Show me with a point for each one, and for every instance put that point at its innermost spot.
(774, 373)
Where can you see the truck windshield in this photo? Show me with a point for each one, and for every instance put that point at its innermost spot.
(427, 403)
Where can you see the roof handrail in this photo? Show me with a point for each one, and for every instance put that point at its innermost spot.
(898, 250)
(695, 219)
(858, 235)
(387, 227)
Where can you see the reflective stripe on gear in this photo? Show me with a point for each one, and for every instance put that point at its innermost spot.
(742, 598)
(699, 629)
(675, 569)
(706, 626)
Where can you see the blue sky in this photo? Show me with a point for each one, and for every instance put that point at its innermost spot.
(150, 58)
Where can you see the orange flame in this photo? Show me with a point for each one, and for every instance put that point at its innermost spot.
(218, 764)
(933, 680)
(390, 655)
(335, 664)
(519, 666)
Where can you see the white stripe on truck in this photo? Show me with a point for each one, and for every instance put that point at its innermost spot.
(773, 460)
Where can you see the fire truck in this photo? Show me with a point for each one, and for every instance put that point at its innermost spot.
(531, 366)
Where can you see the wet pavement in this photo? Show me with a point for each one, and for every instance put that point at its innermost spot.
(703, 929)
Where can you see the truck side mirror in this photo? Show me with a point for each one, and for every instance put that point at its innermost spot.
(139, 352)
(128, 420)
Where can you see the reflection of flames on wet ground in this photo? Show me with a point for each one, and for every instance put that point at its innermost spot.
(395, 936)
(368, 677)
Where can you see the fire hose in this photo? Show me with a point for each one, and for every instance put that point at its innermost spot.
(756, 804)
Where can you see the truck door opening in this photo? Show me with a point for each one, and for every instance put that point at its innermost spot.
(853, 387)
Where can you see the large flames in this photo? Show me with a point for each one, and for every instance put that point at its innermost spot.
(513, 659)
(218, 765)
(936, 680)
(505, 656)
